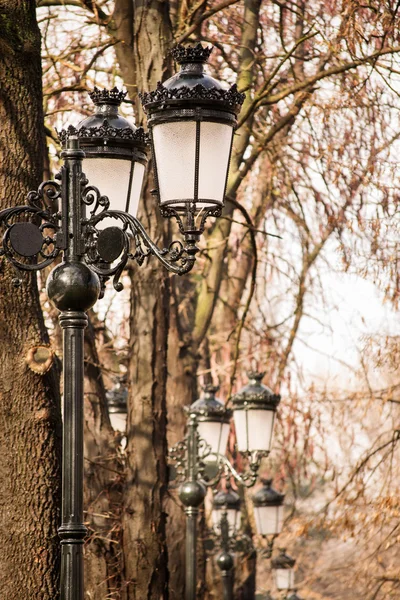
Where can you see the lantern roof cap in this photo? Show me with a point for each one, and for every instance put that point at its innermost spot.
(256, 393)
(191, 87)
(227, 499)
(283, 561)
(294, 596)
(106, 123)
(209, 408)
(267, 496)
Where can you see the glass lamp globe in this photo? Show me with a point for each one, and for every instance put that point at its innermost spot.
(254, 408)
(117, 399)
(226, 501)
(283, 566)
(115, 153)
(191, 119)
(213, 421)
(268, 509)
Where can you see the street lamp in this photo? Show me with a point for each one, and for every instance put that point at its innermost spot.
(226, 501)
(294, 596)
(226, 536)
(283, 565)
(117, 404)
(268, 509)
(91, 253)
(213, 420)
(254, 408)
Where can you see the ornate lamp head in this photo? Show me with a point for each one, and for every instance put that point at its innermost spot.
(191, 118)
(283, 565)
(268, 509)
(254, 408)
(213, 420)
(115, 151)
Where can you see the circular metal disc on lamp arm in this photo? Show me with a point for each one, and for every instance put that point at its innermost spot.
(191, 118)
(283, 566)
(213, 420)
(115, 152)
(254, 408)
(226, 501)
(268, 509)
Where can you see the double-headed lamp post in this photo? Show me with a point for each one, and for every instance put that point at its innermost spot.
(191, 118)
(200, 459)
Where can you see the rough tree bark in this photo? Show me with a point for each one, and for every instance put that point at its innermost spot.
(143, 57)
(30, 417)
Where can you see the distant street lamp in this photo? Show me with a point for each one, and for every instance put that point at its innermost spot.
(254, 408)
(191, 119)
(268, 512)
(201, 462)
(226, 536)
(117, 403)
(283, 566)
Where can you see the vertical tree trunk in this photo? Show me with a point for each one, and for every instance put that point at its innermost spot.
(30, 417)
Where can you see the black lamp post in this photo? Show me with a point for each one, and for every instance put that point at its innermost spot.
(205, 445)
(225, 516)
(92, 251)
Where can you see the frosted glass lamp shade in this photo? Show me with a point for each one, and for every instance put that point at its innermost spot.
(215, 434)
(284, 579)
(120, 180)
(254, 428)
(191, 162)
(118, 421)
(233, 516)
(269, 519)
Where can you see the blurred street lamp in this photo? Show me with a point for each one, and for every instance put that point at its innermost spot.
(117, 403)
(192, 118)
(268, 510)
(254, 408)
(283, 566)
(213, 420)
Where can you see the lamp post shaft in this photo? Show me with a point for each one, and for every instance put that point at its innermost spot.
(227, 585)
(191, 552)
(73, 288)
(192, 494)
(72, 531)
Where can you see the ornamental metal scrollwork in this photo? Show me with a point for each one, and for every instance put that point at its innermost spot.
(30, 231)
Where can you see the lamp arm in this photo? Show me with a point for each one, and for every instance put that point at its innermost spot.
(177, 258)
(246, 479)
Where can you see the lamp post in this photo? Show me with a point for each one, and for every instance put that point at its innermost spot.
(226, 517)
(205, 446)
(93, 251)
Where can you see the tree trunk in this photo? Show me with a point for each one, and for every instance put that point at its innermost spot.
(103, 485)
(30, 416)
